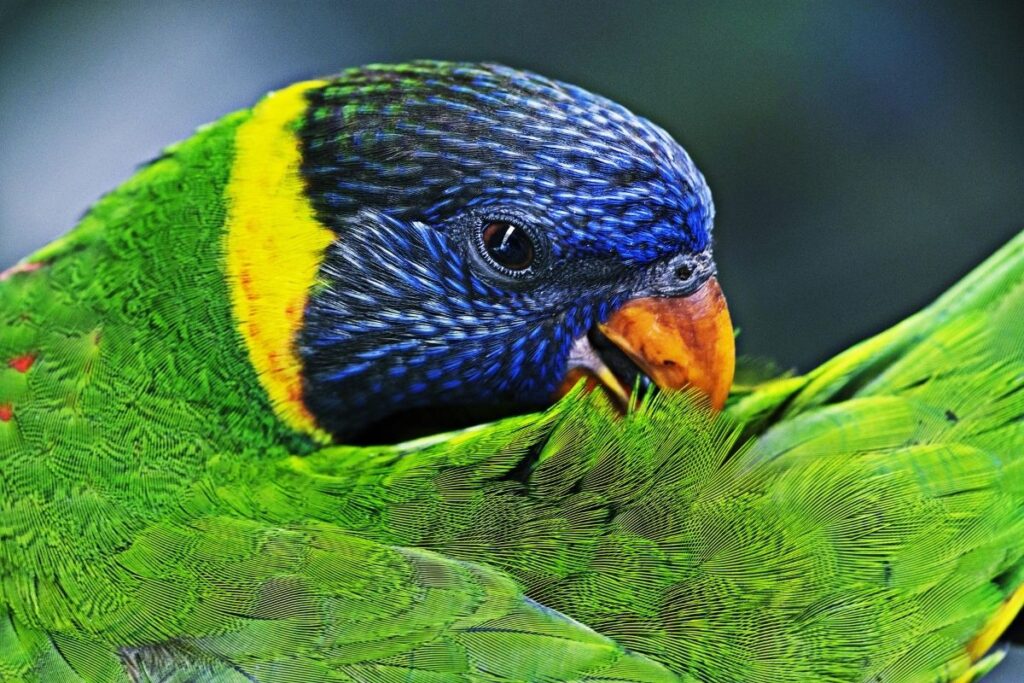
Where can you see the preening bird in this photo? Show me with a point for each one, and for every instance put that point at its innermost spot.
(401, 247)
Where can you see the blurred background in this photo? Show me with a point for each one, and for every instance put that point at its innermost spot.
(862, 156)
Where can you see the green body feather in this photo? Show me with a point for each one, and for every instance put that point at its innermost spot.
(157, 522)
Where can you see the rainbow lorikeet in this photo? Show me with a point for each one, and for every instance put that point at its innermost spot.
(401, 248)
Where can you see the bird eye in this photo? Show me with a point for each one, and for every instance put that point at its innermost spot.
(684, 272)
(508, 247)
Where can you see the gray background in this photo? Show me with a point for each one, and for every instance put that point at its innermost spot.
(862, 156)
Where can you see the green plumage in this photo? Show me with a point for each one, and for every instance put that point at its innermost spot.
(157, 522)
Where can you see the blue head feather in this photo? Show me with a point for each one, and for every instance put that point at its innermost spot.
(406, 162)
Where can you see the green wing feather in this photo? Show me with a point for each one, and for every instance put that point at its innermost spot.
(227, 599)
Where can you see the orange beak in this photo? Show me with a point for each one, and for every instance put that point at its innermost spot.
(675, 341)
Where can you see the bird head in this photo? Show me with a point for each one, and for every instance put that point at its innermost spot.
(499, 236)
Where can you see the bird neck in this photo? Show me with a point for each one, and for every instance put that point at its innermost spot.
(274, 246)
(123, 334)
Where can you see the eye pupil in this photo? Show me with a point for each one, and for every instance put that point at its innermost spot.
(508, 245)
(684, 272)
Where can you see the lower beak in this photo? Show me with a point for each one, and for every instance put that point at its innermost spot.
(675, 341)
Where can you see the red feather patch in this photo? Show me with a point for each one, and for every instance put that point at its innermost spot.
(22, 363)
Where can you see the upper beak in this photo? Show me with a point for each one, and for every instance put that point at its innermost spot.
(676, 341)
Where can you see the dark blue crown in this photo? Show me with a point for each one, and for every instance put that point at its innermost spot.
(421, 141)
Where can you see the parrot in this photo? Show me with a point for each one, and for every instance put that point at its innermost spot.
(422, 372)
